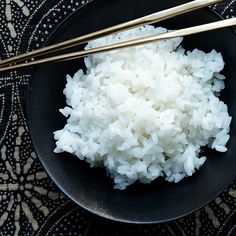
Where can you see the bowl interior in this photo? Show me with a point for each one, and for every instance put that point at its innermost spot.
(90, 188)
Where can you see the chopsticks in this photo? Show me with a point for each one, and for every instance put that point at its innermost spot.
(8, 64)
(135, 42)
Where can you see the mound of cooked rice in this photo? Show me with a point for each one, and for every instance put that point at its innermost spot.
(145, 111)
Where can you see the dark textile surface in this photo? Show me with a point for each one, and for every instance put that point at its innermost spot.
(30, 204)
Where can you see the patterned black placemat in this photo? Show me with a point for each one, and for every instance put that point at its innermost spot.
(30, 203)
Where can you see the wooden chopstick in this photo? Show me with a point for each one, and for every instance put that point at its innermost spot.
(149, 19)
(135, 42)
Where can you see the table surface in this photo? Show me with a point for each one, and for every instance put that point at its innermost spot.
(30, 204)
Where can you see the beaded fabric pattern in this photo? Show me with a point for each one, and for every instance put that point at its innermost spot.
(30, 203)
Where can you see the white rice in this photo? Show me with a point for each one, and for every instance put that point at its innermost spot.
(145, 111)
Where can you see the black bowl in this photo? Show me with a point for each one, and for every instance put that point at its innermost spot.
(90, 188)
